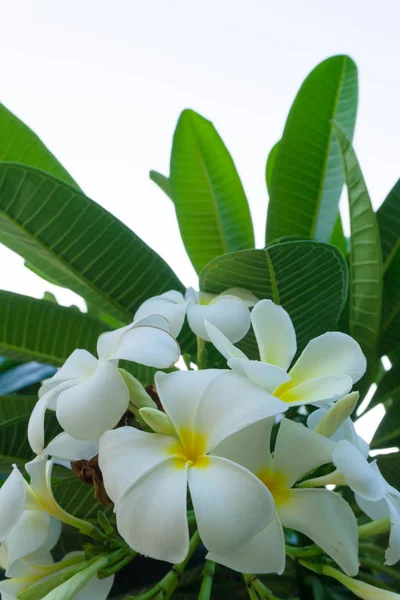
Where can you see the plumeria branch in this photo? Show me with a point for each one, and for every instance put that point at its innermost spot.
(206, 584)
(257, 589)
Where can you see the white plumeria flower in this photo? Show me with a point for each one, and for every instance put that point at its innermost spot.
(321, 515)
(147, 474)
(90, 395)
(324, 372)
(41, 567)
(373, 494)
(17, 497)
(227, 311)
(346, 431)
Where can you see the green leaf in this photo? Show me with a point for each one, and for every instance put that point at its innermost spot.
(388, 390)
(307, 178)
(270, 165)
(211, 206)
(388, 433)
(77, 243)
(390, 334)
(20, 144)
(77, 498)
(14, 446)
(366, 277)
(23, 376)
(338, 238)
(162, 182)
(309, 279)
(388, 216)
(33, 329)
(389, 466)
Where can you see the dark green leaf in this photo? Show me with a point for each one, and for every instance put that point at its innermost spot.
(388, 433)
(308, 278)
(211, 206)
(20, 144)
(307, 178)
(270, 165)
(389, 465)
(388, 216)
(34, 329)
(162, 182)
(388, 390)
(338, 238)
(366, 277)
(77, 243)
(390, 334)
(77, 498)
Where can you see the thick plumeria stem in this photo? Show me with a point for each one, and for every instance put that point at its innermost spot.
(256, 589)
(191, 517)
(119, 564)
(201, 354)
(374, 528)
(206, 584)
(166, 587)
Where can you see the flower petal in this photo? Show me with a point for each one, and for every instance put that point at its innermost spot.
(126, 453)
(269, 377)
(333, 353)
(298, 450)
(12, 502)
(230, 503)
(80, 364)
(249, 447)
(96, 405)
(167, 306)
(320, 389)
(139, 342)
(363, 478)
(10, 588)
(221, 342)
(263, 553)
(345, 432)
(393, 551)
(328, 520)
(36, 420)
(180, 393)
(229, 314)
(244, 295)
(96, 589)
(230, 403)
(68, 448)
(275, 334)
(151, 514)
(28, 536)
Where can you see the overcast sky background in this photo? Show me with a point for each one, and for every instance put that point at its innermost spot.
(103, 83)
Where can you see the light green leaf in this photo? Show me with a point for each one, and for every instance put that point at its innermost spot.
(162, 182)
(307, 177)
(309, 279)
(39, 330)
(366, 277)
(77, 243)
(211, 206)
(20, 144)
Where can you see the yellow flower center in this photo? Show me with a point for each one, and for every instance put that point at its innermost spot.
(284, 393)
(276, 483)
(190, 448)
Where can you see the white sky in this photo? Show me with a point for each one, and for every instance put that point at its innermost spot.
(103, 82)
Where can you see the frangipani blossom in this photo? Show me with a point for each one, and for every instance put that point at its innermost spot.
(39, 568)
(324, 372)
(346, 431)
(227, 311)
(373, 494)
(322, 515)
(147, 474)
(90, 395)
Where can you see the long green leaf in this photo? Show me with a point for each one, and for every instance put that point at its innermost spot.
(388, 215)
(307, 179)
(211, 206)
(77, 498)
(388, 433)
(309, 279)
(77, 243)
(269, 167)
(20, 144)
(389, 465)
(34, 329)
(162, 182)
(338, 238)
(388, 390)
(366, 276)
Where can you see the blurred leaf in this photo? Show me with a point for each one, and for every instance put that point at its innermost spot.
(270, 165)
(338, 238)
(23, 376)
(211, 206)
(389, 466)
(388, 389)
(388, 215)
(162, 182)
(366, 277)
(20, 144)
(14, 446)
(33, 329)
(388, 433)
(78, 498)
(308, 177)
(77, 243)
(390, 335)
(309, 279)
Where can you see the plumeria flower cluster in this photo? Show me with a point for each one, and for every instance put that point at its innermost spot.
(252, 469)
